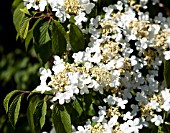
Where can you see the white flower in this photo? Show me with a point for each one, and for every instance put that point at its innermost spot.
(73, 77)
(133, 60)
(121, 103)
(110, 100)
(102, 113)
(167, 55)
(127, 94)
(166, 94)
(61, 15)
(42, 5)
(113, 120)
(78, 57)
(135, 125)
(45, 73)
(43, 88)
(87, 5)
(135, 109)
(80, 18)
(95, 21)
(160, 18)
(58, 65)
(81, 129)
(62, 97)
(119, 6)
(119, 63)
(154, 105)
(127, 116)
(141, 97)
(157, 120)
(108, 11)
(115, 77)
(166, 106)
(109, 126)
(125, 128)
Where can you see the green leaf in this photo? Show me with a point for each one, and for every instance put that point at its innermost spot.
(44, 52)
(34, 114)
(42, 42)
(40, 33)
(18, 17)
(25, 10)
(30, 34)
(76, 38)
(7, 98)
(160, 129)
(15, 4)
(58, 38)
(14, 110)
(89, 110)
(167, 73)
(77, 107)
(44, 112)
(28, 39)
(24, 27)
(61, 119)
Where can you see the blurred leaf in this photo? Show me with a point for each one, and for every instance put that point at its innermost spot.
(61, 119)
(76, 38)
(7, 98)
(58, 38)
(14, 109)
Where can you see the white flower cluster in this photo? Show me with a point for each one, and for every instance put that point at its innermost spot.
(123, 57)
(63, 8)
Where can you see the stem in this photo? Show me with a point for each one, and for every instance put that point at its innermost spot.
(26, 92)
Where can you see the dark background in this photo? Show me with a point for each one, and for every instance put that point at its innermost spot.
(18, 68)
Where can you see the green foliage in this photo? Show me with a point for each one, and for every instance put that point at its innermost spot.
(36, 112)
(44, 112)
(61, 119)
(17, 67)
(25, 10)
(14, 110)
(58, 38)
(15, 4)
(42, 41)
(76, 105)
(18, 17)
(7, 99)
(24, 27)
(76, 38)
(167, 73)
(29, 36)
(49, 37)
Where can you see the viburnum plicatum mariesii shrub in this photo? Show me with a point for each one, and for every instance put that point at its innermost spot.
(110, 71)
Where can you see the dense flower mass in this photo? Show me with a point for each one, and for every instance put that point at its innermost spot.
(124, 56)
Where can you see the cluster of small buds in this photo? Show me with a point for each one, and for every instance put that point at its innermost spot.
(123, 57)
